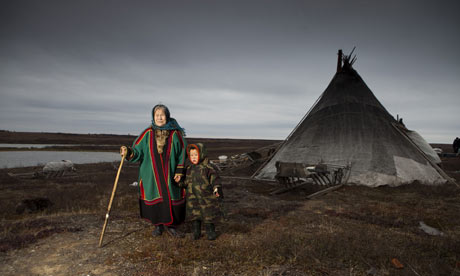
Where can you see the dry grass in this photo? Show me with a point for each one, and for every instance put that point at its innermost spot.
(352, 231)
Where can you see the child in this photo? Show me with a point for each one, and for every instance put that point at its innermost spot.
(203, 190)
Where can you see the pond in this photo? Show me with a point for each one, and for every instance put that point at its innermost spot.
(40, 146)
(14, 159)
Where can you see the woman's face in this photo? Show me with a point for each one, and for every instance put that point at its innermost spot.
(160, 117)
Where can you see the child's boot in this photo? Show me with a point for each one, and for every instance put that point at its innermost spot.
(158, 230)
(210, 231)
(196, 229)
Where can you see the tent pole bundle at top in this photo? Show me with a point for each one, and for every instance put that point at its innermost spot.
(348, 126)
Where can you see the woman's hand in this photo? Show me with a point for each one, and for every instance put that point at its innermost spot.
(177, 177)
(123, 151)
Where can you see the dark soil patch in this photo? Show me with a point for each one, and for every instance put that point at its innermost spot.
(26, 232)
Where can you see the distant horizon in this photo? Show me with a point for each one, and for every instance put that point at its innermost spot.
(191, 137)
(134, 135)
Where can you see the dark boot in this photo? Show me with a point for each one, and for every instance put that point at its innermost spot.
(158, 230)
(210, 231)
(196, 229)
(173, 232)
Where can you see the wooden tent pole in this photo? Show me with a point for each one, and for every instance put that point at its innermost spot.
(339, 61)
(324, 191)
(111, 200)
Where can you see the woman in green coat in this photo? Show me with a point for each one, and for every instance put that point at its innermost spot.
(160, 149)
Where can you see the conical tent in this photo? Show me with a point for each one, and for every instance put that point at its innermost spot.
(349, 126)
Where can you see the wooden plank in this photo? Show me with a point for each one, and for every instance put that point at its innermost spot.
(24, 175)
(327, 190)
(283, 190)
(249, 178)
(235, 177)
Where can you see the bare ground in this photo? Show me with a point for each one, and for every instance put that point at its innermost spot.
(351, 231)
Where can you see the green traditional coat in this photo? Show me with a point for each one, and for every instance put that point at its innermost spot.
(161, 200)
(201, 180)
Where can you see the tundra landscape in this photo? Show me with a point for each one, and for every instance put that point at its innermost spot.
(52, 226)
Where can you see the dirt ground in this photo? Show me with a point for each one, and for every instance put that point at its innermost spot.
(352, 231)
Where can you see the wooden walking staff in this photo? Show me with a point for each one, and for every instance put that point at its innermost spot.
(111, 199)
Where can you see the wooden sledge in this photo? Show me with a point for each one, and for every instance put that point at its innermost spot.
(294, 175)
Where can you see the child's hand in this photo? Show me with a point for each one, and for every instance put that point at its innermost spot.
(216, 192)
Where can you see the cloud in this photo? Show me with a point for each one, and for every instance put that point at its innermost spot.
(224, 68)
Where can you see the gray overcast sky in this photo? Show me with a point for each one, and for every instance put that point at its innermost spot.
(239, 69)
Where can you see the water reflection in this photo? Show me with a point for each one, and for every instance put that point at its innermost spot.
(42, 146)
(13, 159)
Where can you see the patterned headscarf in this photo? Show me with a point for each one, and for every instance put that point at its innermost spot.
(171, 123)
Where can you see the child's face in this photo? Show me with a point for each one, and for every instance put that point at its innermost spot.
(194, 157)
(160, 117)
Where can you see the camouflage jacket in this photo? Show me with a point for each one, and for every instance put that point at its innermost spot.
(201, 180)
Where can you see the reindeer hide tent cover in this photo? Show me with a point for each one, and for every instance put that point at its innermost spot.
(349, 126)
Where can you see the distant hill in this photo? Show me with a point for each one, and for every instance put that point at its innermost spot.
(63, 138)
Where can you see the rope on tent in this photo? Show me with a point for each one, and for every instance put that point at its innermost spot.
(287, 138)
(304, 117)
